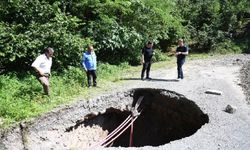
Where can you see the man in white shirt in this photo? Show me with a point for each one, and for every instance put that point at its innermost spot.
(42, 66)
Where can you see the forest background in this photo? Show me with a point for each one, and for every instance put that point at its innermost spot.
(118, 29)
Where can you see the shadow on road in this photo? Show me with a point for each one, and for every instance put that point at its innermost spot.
(153, 79)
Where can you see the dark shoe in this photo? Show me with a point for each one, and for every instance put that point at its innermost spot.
(142, 78)
(148, 78)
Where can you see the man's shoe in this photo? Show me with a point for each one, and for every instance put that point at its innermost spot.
(148, 78)
(179, 79)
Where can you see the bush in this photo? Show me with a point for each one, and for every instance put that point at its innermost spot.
(16, 95)
(107, 71)
(74, 74)
(226, 47)
(159, 56)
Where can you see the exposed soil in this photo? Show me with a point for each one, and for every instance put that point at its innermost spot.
(80, 125)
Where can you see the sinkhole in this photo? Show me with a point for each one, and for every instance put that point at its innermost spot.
(164, 116)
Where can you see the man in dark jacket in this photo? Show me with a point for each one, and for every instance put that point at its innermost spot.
(146, 60)
(181, 53)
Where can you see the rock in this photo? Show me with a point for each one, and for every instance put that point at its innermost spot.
(103, 111)
(91, 115)
(215, 92)
(230, 109)
(95, 113)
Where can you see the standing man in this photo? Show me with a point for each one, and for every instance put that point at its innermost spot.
(42, 66)
(89, 65)
(181, 53)
(146, 59)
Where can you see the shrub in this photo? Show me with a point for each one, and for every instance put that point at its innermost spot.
(226, 47)
(159, 56)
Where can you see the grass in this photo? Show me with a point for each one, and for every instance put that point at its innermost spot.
(22, 98)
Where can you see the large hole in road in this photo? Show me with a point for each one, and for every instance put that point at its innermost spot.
(166, 116)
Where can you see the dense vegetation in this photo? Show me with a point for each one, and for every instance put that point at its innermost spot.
(117, 28)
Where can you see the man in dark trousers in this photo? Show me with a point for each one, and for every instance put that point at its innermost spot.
(181, 53)
(89, 65)
(146, 60)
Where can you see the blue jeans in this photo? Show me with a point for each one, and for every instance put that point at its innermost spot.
(180, 63)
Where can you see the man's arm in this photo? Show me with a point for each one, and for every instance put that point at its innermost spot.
(177, 52)
(183, 53)
(37, 70)
(186, 51)
(142, 55)
(83, 63)
(142, 59)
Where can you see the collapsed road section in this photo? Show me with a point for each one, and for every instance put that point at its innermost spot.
(163, 116)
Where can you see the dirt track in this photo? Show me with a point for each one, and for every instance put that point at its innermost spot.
(224, 130)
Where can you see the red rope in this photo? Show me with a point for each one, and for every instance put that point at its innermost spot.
(120, 132)
(124, 123)
(129, 118)
(131, 135)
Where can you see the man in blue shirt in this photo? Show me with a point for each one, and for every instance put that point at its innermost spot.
(89, 65)
(181, 53)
